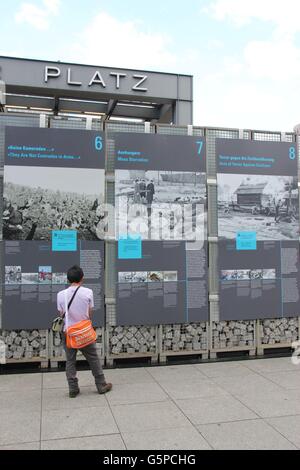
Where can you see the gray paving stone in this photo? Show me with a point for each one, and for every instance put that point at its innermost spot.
(111, 442)
(180, 390)
(126, 394)
(58, 399)
(230, 369)
(244, 435)
(215, 410)
(151, 416)
(58, 379)
(20, 382)
(21, 400)
(185, 438)
(246, 384)
(288, 426)
(27, 446)
(180, 373)
(17, 427)
(81, 422)
(55, 380)
(129, 376)
(269, 365)
(288, 379)
(272, 404)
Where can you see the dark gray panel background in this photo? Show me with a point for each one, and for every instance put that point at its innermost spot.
(279, 151)
(269, 305)
(138, 309)
(174, 153)
(27, 315)
(64, 141)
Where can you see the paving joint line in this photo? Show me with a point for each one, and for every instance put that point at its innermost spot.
(182, 412)
(116, 423)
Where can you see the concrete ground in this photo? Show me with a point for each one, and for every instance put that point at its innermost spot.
(252, 404)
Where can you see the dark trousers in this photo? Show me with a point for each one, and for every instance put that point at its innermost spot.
(91, 355)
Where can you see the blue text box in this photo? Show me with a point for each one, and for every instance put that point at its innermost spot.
(246, 241)
(64, 240)
(130, 247)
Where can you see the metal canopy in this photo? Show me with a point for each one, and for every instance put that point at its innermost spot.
(72, 88)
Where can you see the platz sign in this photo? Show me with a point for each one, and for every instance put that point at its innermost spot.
(96, 79)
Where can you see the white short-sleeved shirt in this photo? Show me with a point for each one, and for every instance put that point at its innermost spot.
(79, 310)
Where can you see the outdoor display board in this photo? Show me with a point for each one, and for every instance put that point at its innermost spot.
(33, 275)
(161, 216)
(53, 180)
(258, 228)
(54, 186)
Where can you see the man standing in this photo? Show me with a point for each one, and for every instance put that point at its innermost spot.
(150, 195)
(143, 190)
(150, 192)
(81, 304)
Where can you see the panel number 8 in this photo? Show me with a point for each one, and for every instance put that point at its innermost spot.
(292, 153)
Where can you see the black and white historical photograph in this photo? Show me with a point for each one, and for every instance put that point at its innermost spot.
(125, 277)
(256, 274)
(269, 273)
(156, 193)
(235, 275)
(13, 274)
(170, 276)
(38, 200)
(59, 278)
(267, 205)
(151, 276)
(30, 278)
(247, 274)
(139, 276)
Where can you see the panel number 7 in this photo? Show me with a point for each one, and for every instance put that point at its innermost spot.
(199, 146)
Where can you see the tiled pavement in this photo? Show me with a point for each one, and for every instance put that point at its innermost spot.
(253, 404)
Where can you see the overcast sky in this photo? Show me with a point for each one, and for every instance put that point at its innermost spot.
(244, 54)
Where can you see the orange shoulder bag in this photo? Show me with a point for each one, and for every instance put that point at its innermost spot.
(80, 334)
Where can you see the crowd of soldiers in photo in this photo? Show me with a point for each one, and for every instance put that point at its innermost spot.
(31, 214)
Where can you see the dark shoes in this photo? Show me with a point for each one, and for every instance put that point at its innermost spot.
(101, 390)
(104, 388)
(74, 393)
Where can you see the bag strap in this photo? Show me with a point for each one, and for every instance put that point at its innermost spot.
(68, 305)
(73, 297)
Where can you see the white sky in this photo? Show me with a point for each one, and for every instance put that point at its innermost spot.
(244, 54)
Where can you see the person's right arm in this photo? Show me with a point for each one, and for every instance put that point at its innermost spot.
(59, 306)
(91, 305)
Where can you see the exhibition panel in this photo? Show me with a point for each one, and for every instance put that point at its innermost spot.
(258, 225)
(54, 191)
(161, 218)
(137, 340)
(33, 275)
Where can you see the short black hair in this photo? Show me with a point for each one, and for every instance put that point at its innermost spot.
(75, 274)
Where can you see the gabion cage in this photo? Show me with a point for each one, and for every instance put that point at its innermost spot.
(25, 346)
(192, 337)
(233, 334)
(132, 340)
(278, 331)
